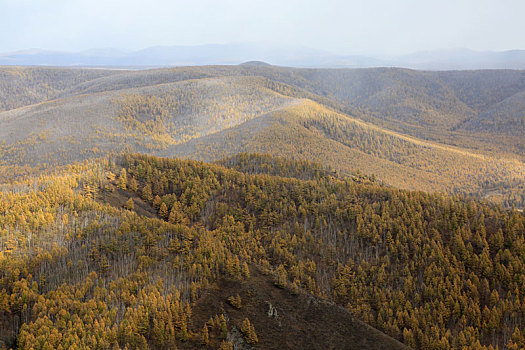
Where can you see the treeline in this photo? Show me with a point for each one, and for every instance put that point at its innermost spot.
(252, 163)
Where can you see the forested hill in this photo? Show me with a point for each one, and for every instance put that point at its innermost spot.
(150, 252)
(452, 132)
(448, 105)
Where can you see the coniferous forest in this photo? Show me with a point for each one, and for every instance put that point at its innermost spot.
(260, 175)
(261, 207)
(142, 252)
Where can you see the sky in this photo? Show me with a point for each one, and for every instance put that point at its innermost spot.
(379, 27)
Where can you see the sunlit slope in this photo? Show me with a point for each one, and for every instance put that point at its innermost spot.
(396, 97)
(310, 131)
(453, 107)
(215, 111)
(147, 120)
(439, 106)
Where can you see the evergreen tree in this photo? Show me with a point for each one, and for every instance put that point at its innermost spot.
(146, 193)
(129, 204)
(248, 331)
(123, 179)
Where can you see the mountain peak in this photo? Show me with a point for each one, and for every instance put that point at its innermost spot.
(255, 63)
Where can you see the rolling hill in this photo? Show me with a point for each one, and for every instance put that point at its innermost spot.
(143, 119)
(439, 106)
(431, 131)
(309, 131)
(256, 206)
(21, 86)
(260, 252)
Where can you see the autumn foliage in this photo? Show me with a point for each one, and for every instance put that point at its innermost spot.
(432, 271)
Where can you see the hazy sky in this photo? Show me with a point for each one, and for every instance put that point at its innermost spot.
(351, 26)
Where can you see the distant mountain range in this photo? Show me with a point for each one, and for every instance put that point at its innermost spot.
(294, 56)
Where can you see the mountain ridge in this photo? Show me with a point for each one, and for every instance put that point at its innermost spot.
(386, 121)
(335, 197)
(236, 53)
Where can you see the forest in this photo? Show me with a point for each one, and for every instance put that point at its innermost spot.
(457, 132)
(261, 207)
(123, 252)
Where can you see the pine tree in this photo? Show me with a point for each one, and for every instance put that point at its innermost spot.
(146, 193)
(122, 179)
(235, 301)
(176, 216)
(223, 326)
(226, 345)
(248, 331)
(132, 184)
(163, 211)
(245, 270)
(205, 338)
(156, 202)
(280, 277)
(129, 204)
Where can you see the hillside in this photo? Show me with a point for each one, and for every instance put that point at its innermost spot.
(145, 119)
(416, 98)
(506, 117)
(309, 131)
(430, 105)
(22, 86)
(149, 252)
(438, 106)
(454, 132)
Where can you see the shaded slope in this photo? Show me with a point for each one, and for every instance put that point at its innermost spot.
(147, 119)
(22, 86)
(308, 131)
(300, 321)
(394, 94)
(481, 89)
(506, 117)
